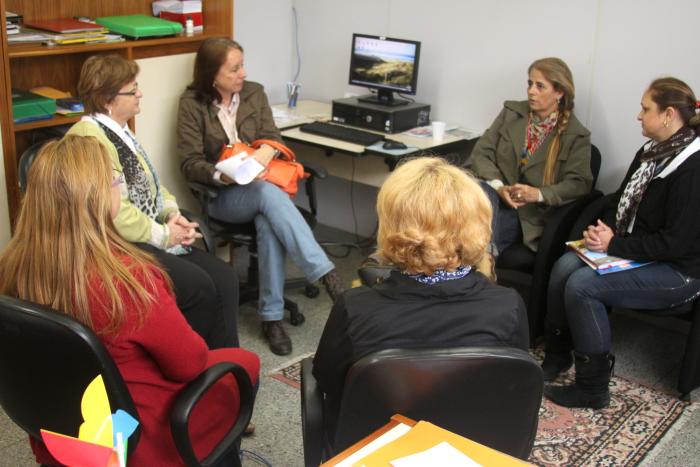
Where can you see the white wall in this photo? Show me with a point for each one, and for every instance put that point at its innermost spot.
(475, 54)
(162, 80)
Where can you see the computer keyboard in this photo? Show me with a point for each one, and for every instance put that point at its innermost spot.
(351, 135)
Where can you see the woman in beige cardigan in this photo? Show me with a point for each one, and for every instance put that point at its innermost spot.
(535, 155)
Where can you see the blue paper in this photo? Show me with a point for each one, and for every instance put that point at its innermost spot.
(123, 423)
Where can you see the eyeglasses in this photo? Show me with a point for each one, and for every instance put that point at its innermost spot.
(131, 93)
(118, 179)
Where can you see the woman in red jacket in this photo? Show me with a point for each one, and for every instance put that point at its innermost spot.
(67, 255)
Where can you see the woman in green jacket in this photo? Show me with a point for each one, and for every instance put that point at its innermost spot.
(535, 155)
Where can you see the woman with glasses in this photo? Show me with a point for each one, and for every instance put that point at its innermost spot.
(206, 288)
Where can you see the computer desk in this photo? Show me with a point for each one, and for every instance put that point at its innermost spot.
(288, 121)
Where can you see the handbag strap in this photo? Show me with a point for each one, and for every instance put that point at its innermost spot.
(285, 152)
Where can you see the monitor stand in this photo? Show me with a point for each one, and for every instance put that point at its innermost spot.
(383, 97)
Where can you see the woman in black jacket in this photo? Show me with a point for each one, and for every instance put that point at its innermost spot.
(654, 218)
(434, 226)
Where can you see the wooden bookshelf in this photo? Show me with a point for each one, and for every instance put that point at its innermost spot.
(25, 66)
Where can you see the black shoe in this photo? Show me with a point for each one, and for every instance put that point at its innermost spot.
(333, 284)
(556, 363)
(276, 336)
(557, 352)
(591, 387)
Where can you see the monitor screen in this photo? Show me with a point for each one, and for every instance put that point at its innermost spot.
(386, 64)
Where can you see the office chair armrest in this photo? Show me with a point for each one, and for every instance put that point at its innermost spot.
(188, 398)
(311, 415)
(316, 171)
(207, 234)
(202, 191)
(589, 214)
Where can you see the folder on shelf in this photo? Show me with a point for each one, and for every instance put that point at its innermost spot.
(27, 106)
(65, 26)
(140, 26)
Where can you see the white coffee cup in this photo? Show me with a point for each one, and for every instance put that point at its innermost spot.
(439, 130)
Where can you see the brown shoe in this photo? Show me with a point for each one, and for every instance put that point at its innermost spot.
(333, 284)
(277, 337)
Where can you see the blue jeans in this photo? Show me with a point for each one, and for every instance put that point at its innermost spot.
(280, 229)
(505, 224)
(577, 297)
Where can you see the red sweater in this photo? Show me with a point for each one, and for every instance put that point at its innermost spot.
(156, 361)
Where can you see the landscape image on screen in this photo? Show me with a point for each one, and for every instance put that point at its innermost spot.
(381, 62)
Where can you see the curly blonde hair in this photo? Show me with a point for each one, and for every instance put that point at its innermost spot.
(432, 215)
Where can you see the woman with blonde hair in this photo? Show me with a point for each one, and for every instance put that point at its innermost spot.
(535, 155)
(66, 254)
(434, 226)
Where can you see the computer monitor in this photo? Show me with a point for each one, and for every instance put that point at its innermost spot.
(385, 64)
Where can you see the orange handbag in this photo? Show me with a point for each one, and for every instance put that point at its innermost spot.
(283, 171)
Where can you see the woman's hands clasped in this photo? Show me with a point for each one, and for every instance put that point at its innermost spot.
(597, 237)
(519, 195)
(182, 231)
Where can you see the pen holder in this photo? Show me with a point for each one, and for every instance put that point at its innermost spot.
(292, 93)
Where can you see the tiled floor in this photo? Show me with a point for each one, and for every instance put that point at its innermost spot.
(645, 352)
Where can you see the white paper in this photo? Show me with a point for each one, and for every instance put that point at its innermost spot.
(440, 454)
(395, 433)
(240, 168)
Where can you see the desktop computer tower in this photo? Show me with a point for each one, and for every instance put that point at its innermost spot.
(351, 111)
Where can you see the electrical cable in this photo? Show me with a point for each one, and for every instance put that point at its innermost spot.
(296, 43)
(359, 243)
(254, 456)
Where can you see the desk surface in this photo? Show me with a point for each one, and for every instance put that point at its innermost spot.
(307, 111)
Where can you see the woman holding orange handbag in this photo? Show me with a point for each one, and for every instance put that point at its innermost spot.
(220, 107)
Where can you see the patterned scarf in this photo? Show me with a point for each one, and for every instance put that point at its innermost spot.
(440, 275)
(537, 132)
(653, 160)
(137, 183)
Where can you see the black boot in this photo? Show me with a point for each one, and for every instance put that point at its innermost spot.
(591, 387)
(557, 352)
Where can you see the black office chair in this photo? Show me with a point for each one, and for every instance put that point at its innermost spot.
(528, 272)
(217, 232)
(689, 376)
(47, 359)
(491, 395)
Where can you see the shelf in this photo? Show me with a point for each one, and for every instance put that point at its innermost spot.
(40, 50)
(55, 121)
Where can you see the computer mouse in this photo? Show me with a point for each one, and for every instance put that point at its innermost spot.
(389, 144)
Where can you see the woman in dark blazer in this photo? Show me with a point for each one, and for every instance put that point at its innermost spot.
(653, 217)
(222, 107)
(535, 155)
(434, 226)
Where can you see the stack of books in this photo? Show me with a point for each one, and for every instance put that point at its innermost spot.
(602, 263)
(64, 31)
(66, 105)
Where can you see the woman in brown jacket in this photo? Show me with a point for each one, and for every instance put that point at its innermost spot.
(535, 155)
(221, 107)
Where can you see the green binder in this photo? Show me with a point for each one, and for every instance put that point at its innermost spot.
(139, 26)
(28, 107)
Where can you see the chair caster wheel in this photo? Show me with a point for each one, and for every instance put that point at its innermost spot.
(297, 318)
(311, 291)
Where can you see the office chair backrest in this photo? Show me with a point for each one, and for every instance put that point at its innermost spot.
(596, 160)
(25, 162)
(47, 359)
(487, 394)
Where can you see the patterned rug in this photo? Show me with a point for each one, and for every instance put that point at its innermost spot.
(621, 435)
